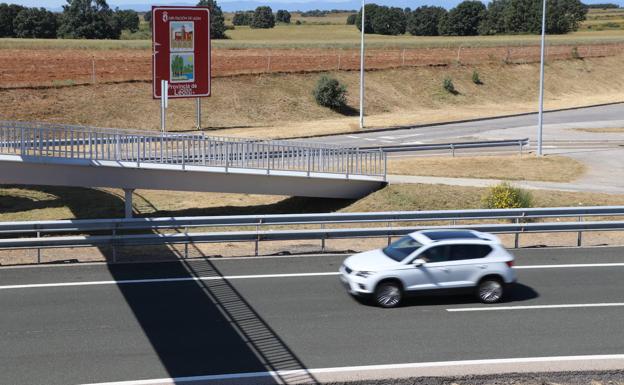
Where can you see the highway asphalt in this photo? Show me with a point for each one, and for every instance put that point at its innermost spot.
(600, 116)
(72, 324)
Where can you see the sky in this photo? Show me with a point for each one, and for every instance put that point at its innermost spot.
(232, 5)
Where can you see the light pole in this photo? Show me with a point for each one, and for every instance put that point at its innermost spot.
(362, 71)
(540, 119)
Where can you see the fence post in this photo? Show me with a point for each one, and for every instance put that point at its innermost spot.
(93, 69)
(339, 61)
(403, 58)
(269, 61)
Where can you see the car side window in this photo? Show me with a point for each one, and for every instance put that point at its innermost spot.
(463, 252)
(435, 254)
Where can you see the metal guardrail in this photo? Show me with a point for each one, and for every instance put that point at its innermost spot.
(520, 143)
(123, 231)
(41, 140)
(126, 224)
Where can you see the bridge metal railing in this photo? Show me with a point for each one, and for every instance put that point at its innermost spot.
(189, 230)
(42, 140)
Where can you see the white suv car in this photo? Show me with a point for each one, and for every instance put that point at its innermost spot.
(431, 260)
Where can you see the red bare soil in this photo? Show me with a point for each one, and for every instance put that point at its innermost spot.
(22, 67)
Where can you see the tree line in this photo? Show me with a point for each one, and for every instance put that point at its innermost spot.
(472, 17)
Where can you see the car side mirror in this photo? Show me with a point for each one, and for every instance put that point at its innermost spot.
(418, 262)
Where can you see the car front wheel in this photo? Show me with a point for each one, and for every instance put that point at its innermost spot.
(388, 294)
(490, 290)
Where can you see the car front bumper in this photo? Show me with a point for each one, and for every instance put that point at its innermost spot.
(353, 284)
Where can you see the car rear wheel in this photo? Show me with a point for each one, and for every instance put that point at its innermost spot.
(490, 290)
(388, 294)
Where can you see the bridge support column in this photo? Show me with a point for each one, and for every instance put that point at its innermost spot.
(128, 201)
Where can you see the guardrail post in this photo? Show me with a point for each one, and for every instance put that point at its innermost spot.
(517, 235)
(38, 249)
(184, 153)
(453, 150)
(579, 239)
(322, 238)
(114, 245)
(22, 144)
(521, 144)
(257, 246)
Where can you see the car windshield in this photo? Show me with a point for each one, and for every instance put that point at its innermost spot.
(400, 249)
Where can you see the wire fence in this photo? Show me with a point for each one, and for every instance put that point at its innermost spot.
(23, 68)
(40, 140)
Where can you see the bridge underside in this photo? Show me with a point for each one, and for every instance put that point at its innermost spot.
(130, 175)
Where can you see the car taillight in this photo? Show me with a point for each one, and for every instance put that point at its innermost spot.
(510, 263)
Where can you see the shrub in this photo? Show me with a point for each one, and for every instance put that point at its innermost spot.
(351, 19)
(506, 196)
(263, 18)
(449, 86)
(283, 16)
(575, 53)
(475, 78)
(330, 93)
(298, 22)
(242, 18)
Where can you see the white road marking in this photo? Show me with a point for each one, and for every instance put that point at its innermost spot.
(408, 135)
(413, 143)
(163, 280)
(387, 141)
(563, 306)
(388, 137)
(257, 276)
(368, 368)
(353, 136)
(572, 265)
(370, 139)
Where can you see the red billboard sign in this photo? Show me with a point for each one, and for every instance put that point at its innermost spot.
(181, 51)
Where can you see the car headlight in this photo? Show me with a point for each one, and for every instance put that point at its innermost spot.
(364, 274)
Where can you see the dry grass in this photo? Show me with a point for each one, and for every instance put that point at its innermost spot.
(607, 130)
(443, 197)
(281, 105)
(510, 167)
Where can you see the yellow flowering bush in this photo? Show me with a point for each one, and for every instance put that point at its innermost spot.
(506, 196)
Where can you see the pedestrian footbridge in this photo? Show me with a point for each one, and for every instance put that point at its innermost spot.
(62, 155)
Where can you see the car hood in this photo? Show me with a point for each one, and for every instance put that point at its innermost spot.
(374, 260)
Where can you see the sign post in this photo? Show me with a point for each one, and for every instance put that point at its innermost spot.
(164, 100)
(181, 54)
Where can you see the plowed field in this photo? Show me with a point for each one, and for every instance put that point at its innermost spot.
(45, 67)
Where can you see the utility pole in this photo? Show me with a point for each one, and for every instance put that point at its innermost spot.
(540, 119)
(362, 70)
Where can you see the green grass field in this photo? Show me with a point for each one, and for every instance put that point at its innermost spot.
(332, 32)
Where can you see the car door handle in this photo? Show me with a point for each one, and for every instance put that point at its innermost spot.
(446, 269)
(482, 266)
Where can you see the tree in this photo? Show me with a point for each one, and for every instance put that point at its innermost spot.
(370, 13)
(382, 20)
(147, 16)
(463, 20)
(423, 21)
(127, 19)
(217, 21)
(242, 18)
(389, 21)
(8, 12)
(283, 16)
(88, 19)
(263, 18)
(523, 16)
(494, 21)
(351, 19)
(35, 23)
(563, 16)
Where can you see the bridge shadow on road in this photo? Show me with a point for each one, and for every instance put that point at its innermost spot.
(201, 326)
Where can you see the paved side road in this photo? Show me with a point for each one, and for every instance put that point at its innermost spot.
(98, 323)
